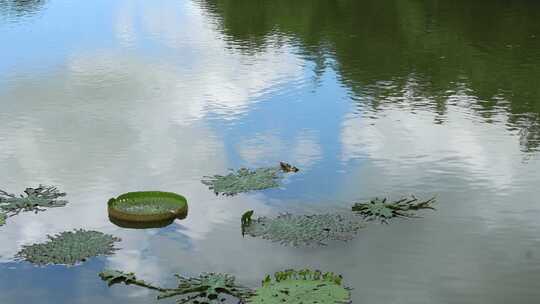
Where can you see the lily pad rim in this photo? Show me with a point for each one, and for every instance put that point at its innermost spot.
(138, 197)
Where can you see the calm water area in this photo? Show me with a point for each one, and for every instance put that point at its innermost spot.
(368, 98)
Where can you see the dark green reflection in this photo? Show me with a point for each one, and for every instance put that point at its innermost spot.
(14, 9)
(422, 52)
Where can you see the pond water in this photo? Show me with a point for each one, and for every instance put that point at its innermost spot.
(368, 98)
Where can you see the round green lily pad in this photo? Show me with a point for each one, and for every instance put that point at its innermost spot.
(301, 287)
(147, 206)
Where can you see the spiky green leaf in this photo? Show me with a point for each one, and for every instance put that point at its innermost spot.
(33, 199)
(206, 288)
(381, 209)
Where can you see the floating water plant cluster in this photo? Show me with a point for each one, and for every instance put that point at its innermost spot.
(245, 180)
(206, 288)
(33, 199)
(69, 248)
(303, 230)
(155, 208)
(289, 286)
(384, 210)
(318, 229)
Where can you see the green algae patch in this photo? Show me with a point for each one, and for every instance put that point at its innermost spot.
(33, 199)
(303, 230)
(301, 287)
(69, 248)
(246, 180)
(147, 207)
(206, 288)
(383, 210)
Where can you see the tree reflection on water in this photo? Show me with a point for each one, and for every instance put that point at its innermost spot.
(423, 54)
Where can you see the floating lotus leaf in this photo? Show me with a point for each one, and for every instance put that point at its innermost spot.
(69, 248)
(303, 230)
(147, 207)
(33, 199)
(301, 287)
(207, 288)
(383, 210)
(245, 180)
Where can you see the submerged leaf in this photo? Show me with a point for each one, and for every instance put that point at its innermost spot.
(3, 217)
(383, 210)
(301, 287)
(245, 180)
(69, 248)
(305, 230)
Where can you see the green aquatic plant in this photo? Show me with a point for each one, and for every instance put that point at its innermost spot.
(303, 230)
(383, 210)
(147, 206)
(112, 277)
(301, 287)
(69, 248)
(33, 199)
(245, 180)
(207, 288)
(289, 286)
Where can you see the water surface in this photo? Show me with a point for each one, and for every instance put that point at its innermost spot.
(368, 98)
